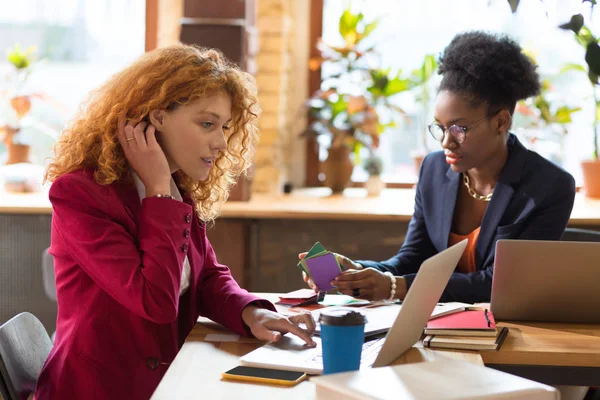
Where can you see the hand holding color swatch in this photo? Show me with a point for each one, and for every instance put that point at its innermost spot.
(321, 265)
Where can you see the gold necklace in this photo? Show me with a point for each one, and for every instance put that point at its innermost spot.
(473, 193)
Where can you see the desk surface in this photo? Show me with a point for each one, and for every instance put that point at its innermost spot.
(199, 364)
(549, 344)
(314, 203)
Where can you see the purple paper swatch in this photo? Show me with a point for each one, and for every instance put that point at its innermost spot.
(323, 269)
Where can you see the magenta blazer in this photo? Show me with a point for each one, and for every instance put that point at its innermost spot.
(118, 266)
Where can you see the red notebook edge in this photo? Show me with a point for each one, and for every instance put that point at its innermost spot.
(470, 319)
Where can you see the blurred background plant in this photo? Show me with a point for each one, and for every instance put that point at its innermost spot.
(13, 98)
(352, 107)
(585, 38)
(546, 111)
(543, 120)
(18, 123)
(420, 85)
(374, 165)
(26, 120)
(589, 42)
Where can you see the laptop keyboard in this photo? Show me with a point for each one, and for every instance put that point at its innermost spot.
(369, 352)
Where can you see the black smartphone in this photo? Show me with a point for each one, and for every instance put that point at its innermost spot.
(265, 375)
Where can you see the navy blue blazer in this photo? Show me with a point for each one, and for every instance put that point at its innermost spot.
(532, 200)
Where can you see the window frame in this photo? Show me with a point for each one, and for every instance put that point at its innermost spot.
(151, 25)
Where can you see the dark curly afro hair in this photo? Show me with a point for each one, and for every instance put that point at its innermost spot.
(489, 68)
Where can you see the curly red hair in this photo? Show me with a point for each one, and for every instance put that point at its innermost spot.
(163, 78)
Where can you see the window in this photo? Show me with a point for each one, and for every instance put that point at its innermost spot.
(81, 42)
(410, 29)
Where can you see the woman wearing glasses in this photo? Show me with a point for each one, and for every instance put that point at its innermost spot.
(483, 186)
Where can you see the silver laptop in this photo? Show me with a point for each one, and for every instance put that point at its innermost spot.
(291, 354)
(546, 281)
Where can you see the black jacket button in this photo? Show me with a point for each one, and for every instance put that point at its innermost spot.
(152, 363)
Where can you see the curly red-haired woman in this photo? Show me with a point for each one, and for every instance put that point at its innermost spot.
(137, 177)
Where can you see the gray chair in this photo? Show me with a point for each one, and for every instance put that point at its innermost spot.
(48, 275)
(580, 235)
(24, 348)
(48, 279)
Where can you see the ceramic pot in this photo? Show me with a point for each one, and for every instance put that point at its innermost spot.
(374, 185)
(338, 168)
(591, 178)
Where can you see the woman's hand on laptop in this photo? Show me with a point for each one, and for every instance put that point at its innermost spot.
(268, 325)
(369, 284)
(345, 263)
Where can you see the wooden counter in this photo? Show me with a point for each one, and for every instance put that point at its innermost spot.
(259, 240)
(311, 204)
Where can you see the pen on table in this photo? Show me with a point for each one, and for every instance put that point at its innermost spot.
(485, 313)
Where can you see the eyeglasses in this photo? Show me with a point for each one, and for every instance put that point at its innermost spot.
(458, 133)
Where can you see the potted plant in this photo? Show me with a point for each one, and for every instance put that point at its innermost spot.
(16, 106)
(584, 36)
(349, 107)
(19, 126)
(374, 167)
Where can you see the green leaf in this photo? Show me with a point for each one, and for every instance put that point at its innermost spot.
(395, 86)
(20, 59)
(575, 24)
(593, 2)
(545, 85)
(514, 4)
(585, 36)
(592, 57)
(572, 67)
(338, 107)
(379, 78)
(429, 66)
(563, 114)
(357, 146)
(369, 28)
(421, 75)
(544, 107)
(348, 24)
(598, 112)
(375, 91)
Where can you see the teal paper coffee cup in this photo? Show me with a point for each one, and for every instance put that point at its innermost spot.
(342, 338)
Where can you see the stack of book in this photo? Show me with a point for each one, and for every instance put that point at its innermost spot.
(471, 329)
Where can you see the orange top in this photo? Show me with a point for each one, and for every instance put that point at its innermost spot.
(467, 261)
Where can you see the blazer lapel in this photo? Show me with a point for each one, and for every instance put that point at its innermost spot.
(448, 203)
(503, 194)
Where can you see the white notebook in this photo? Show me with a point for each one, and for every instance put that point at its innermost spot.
(434, 380)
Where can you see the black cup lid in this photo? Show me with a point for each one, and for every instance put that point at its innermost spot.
(342, 317)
